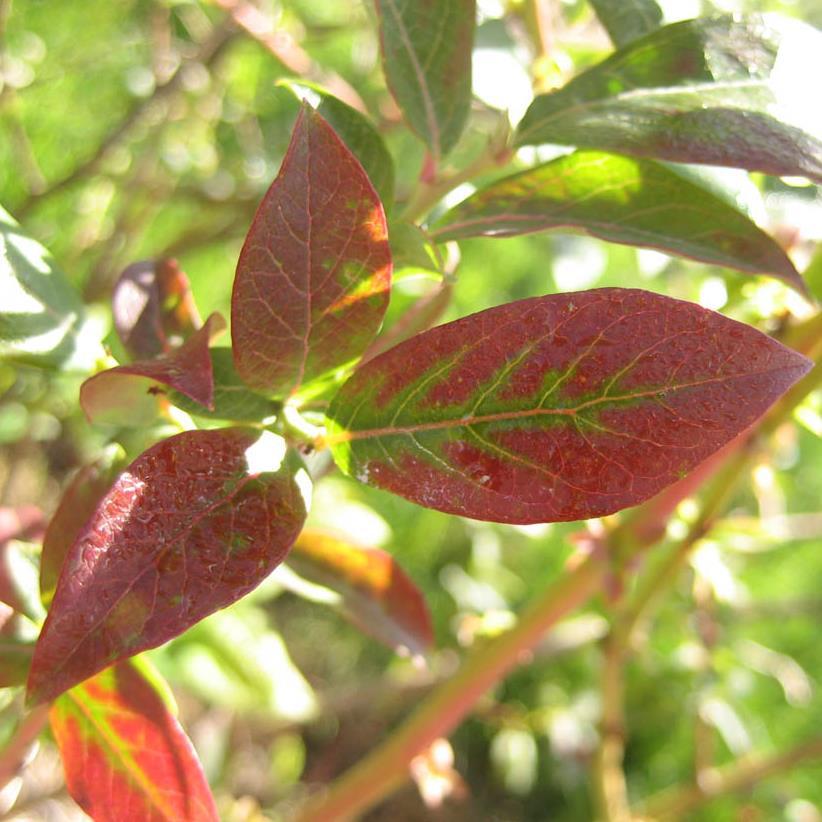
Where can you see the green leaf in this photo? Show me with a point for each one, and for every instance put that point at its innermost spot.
(625, 20)
(718, 92)
(42, 321)
(624, 200)
(356, 131)
(426, 53)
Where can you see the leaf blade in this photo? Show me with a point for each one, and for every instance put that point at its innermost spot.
(192, 525)
(124, 754)
(426, 53)
(314, 273)
(626, 20)
(700, 91)
(556, 408)
(624, 200)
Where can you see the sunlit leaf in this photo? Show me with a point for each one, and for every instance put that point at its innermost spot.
(357, 132)
(130, 394)
(714, 91)
(313, 276)
(556, 408)
(375, 593)
(42, 321)
(426, 53)
(625, 20)
(124, 753)
(192, 525)
(624, 200)
(153, 308)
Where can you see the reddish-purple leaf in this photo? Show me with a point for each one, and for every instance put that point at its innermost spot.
(153, 308)
(314, 274)
(125, 755)
(192, 525)
(375, 593)
(130, 394)
(556, 408)
(78, 503)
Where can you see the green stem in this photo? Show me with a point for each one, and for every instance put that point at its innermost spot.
(386, 767)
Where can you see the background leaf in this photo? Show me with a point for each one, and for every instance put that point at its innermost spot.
(313, 276)
(43, 321)
(190, 526)
(426, 57)
(129, 394)
(556, 408)
(124, 753)
(625, 20)
(701, 91)
(624, 200)
(376, 594)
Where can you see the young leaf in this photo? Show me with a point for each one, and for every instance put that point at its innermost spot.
(376, 594)
(700, 91)
(357, 132)
(314, 274)
(129, 394)
(78, 503)
(556, 408)
(153, 308)
(42, 321)
(192, 525)
(625, 20)
(426, 56)
(624, 200)
(233, 399)
(124, 753)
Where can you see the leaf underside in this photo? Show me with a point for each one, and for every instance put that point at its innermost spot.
(314, 273)
(192, 525)
(700, 91)
(125, 755)
(624, 200)
(556, 408)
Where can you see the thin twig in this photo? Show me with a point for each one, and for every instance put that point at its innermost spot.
(14, 755)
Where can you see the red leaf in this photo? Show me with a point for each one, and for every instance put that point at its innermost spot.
(556, 408)
(192, 525)
(125, 755)
(376, 594)
(129, 394)
(153, 308)
(78, 503)
(314, 274)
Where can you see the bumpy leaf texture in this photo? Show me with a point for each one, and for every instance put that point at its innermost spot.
(713, 91)
(376, 594)
(556, 408)
(314, 274)
(624, 200)
(153, 308)
(426, 53)
(125, 755)
(192, 525)
(130, 394)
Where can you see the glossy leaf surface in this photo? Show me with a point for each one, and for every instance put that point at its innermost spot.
(124, 753)
(153, 308)
(376, 594)
(314, 274)
(624, 200)
(556, 408)
(42, 320)
(357, 132)
(625, 20)
(233, 399)
(129, 394)
(192, 525)
(703, 91)
(426, 55)
(78, 503)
